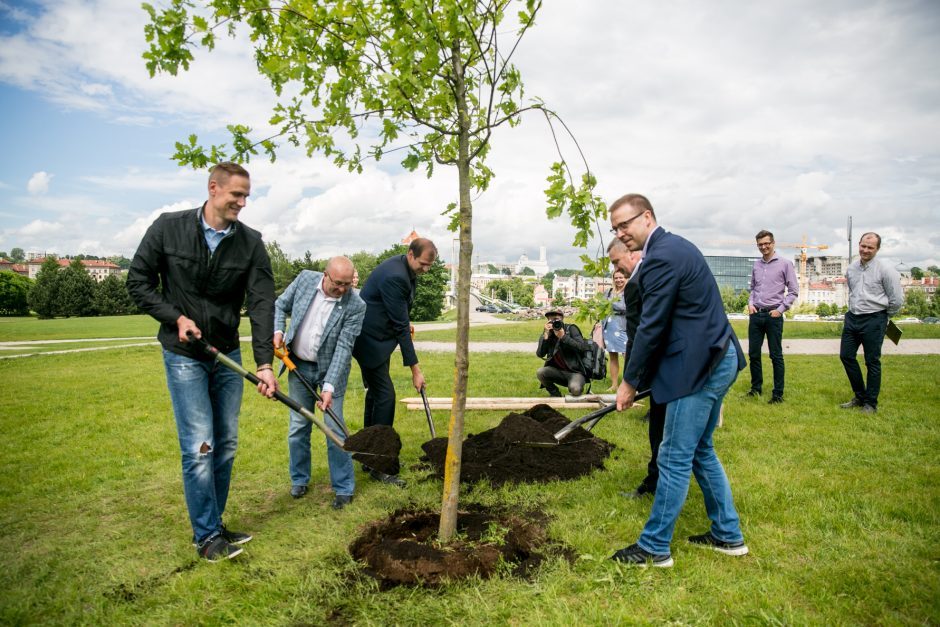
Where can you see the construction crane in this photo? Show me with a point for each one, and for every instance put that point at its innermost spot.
(803, 247)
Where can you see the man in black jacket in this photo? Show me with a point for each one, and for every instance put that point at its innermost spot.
(562, 347)
(389, 293)
(192, 272)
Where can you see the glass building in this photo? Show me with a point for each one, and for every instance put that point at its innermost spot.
(734, 272)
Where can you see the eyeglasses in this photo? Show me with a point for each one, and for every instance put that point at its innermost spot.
(623, 226)
(763, 244)
(338, 283)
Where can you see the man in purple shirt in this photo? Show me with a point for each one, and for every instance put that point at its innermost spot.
(773, 291)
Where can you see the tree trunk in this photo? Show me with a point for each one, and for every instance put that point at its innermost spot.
(454, 455)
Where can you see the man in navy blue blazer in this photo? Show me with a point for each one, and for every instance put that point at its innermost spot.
(685, 342)
(389, 293)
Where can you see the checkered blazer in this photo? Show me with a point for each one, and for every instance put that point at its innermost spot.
(339, 334)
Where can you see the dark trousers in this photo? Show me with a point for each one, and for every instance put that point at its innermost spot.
(867, 331)
(762, 324)
(657, 420)
(549, 376)
(380, 395)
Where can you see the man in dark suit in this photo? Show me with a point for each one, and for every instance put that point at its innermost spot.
(389, 293)
(628, 262)
(685, 343)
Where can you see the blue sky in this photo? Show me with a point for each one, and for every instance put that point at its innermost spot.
(731, 117)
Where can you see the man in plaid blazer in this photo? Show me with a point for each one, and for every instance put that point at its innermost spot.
(326, 317)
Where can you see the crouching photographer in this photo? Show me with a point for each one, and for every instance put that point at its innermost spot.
(562, 347)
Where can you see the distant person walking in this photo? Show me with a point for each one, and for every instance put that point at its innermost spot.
(193, 272)
(875, 295)
(774, 289)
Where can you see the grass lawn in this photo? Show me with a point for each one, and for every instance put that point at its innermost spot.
(841, 511)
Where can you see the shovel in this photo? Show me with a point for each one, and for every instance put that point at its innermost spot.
(427, 412)
(297, 407)
(281, 353)
(588, 422)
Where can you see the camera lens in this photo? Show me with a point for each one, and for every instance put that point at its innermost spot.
(557, 324)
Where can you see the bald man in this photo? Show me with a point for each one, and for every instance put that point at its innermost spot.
(326, 318)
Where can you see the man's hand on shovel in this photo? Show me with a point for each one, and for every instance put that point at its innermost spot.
(626, 393)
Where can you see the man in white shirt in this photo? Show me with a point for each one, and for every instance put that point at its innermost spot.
(875, 295)
(326, 317)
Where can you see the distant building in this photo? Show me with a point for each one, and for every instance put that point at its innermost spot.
(410, 237)
(734, 272)
(577, 287)
(927, 285)
(834, 292)
(539, 266)
(98, 269)
(8, 266)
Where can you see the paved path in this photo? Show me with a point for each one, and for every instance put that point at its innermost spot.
(790, 347)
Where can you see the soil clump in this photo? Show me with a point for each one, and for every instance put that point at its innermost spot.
(403, 548)
(376, 447)
(502, 455)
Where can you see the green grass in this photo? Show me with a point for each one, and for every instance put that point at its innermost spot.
(841, 510)
(32, 328)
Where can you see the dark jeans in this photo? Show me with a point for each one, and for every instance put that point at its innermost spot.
(867, 331)
(657, 420)
(380, 395)
(549, 376)
(759, 325)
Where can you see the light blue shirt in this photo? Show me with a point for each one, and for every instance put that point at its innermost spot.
(213, 237)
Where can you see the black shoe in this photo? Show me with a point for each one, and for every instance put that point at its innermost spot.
(342, 500)
(556, 393)
(389, 479)
(869, 409)
(635, 556)
(852, 404)
(728, 548)
(774, 400)
(753, 392)
(298, 491)
(217, 549)
(235, 537)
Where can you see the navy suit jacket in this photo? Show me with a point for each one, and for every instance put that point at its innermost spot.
(389, 293)
(683, 330)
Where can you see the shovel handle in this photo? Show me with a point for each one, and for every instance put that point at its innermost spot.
(233, 365)
(282, 354)
(427, 412)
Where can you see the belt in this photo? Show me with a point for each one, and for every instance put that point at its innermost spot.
(766, 309)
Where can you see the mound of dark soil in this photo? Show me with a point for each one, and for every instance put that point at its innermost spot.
(402, 548)
(377, 447)
(504, 454)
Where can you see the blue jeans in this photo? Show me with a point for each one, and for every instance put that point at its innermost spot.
(206, 400)
(342, 475)
(687, 448)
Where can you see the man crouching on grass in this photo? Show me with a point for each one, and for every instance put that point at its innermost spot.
(192, 272)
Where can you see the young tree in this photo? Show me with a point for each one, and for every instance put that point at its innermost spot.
(77, 289)
(916, 273)
(281, 267)
(915, 304)
(432, 79)
(822, 309)
(44, 294)
(14, 291)
(17, 255)
(112, 298)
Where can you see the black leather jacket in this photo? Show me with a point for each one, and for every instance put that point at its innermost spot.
(172, 274)
(572, 347)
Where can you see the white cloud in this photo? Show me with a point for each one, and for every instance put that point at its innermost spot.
(39, 183)
(730, 117)
(39, 227)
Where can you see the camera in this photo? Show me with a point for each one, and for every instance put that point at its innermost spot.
(557, 324)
